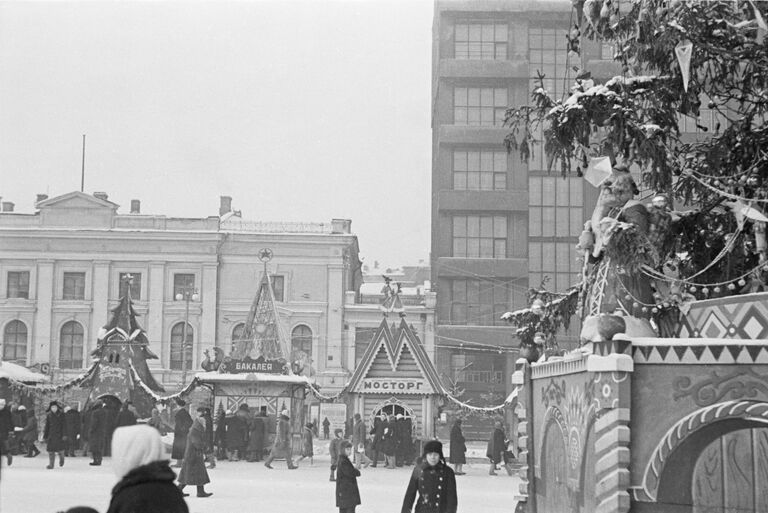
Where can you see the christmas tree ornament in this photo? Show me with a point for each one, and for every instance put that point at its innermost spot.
(598, 171)
(731, 286)
(692, 289)
(683, 51)
(655, 310)
(717, 290)
(705, 291)
(742, 282)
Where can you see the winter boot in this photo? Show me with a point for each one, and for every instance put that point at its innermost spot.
(51, 460)
(492, 471)
(202, 493)
(61, 459)
(181, 489)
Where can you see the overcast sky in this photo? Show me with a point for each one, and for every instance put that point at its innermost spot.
(301, 111)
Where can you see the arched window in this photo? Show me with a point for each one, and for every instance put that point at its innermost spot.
(301, 340)
(15, 342)
(237, 333)
(177, 334)
(71, 346)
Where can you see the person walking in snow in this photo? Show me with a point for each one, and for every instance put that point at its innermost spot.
(347, 492)
(97, 432)
(282, 444)
(326, 428)
(6, 427)
(183, 421)
(72, 423)
(358, 442)
(193, 465)
(435, 482)
(458, 448)
(28, 432)
(55, 434)
(334, 449)
(307, 449)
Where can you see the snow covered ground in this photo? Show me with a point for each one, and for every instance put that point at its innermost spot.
(28, 487)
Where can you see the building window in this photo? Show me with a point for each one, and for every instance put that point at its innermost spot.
(177, 335)
(15, 342)
(481, 40)
(606, 51)
(480, 236)
(479, 170)
(475, 369)
(301, 349)
(135, 285)
(547, 54)
(237, 334)
(278, 287)
(183, 284)
(557, 261)
(555, 206)
(18, 284)
(479, 302)
(71, 346)
(479, 106)
(74, 286)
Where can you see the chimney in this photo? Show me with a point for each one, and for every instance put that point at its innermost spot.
(8, 206)
(101, 195)
(226, 205)
(135, 206)
(41, 197)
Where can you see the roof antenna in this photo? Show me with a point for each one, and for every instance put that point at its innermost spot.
(82, 172)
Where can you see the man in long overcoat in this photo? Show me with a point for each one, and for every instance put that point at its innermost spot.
(256, 439)
(97, 432)
(497, 444)
(388, 442)
(193, 468)
(282, 445)
(72, 424)
(6, 427)
(458, 448)
(378, 434)
(54, 434)
(358, 442)
(180, 430)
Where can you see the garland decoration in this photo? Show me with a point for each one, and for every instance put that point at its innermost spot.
(195, 383)
(484, 410)
(330, 398)
(52, 389)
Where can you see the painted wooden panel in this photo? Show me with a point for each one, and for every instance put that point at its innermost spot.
(406, 367)
(708, 480)
(556, 495)
(737, 471)
(588, 490)
(760, 452)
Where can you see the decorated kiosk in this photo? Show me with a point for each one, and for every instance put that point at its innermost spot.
(257, 372)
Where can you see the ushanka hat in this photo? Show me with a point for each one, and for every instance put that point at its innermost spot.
(433, 446)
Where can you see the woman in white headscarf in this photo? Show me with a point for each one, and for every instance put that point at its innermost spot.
(146, 479)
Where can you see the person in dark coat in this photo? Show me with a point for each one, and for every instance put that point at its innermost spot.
(126, 416)
(497, 444)
(109, 425)
(358, 442)
(55, 435)
(334, 449)
(347, 493)
(388, 442)
(180, 429)
(146, 480)
(157, 422)
(282, 444)
(435, 482)
(6, 427)
(237, 433)
(326, 428)
(458, 448)
(193, 468)
(97, 432)
(72, 424)
(378, 434)
(257, 428)
(28, 432)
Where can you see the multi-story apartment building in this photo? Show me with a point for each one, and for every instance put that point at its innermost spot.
(61, 271)
(499, 225)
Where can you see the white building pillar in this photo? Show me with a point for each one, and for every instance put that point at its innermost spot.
(45, 341)
(156, 294)
(100, 302)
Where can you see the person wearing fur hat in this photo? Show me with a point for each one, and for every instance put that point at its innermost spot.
(282, 444)
(28, 432)
(435, 482)
(307, 450)
(334, 449)
(347, 493)
(146, 481)
(358, 442)
(97, 432)
(193, 465)
(181, 425)
(55, 434)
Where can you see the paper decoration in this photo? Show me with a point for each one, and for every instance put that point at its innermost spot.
(762, 27)
(683, 50)
(741, 210)
(598, 171)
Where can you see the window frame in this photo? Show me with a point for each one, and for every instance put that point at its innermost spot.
(495, 48)
(279, 293)
(135, 285)
(303, 339)
(72, 347)
(471, 106)
(68, 276)
(479, 243)
(175, 347)
(15, 342)
(471, 297)
(461, 161)
(18, 294)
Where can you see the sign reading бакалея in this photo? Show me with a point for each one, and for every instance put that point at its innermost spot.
(248, 364)
(395, 385)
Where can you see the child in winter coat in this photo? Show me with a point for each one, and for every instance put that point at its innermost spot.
(334, 448)
(347, 493)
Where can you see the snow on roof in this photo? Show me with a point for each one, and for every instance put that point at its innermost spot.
(17, 372)
(251, 376)
(237, 224)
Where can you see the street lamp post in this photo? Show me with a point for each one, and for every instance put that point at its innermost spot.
(187, 295)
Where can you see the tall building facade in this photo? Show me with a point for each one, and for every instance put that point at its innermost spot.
(499, 225)
(62, 270)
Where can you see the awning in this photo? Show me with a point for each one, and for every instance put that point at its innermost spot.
(16, 372)
(223, 377)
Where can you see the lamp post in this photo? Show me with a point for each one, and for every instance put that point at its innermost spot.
(187, 295)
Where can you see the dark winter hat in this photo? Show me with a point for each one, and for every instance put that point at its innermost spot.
(345, 444)
(244, 407)
(181, 402)
(357, 416)
(202, 409)
(336, 431)
(433, 446)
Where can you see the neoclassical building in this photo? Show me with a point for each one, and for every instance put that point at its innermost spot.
(62, 267)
